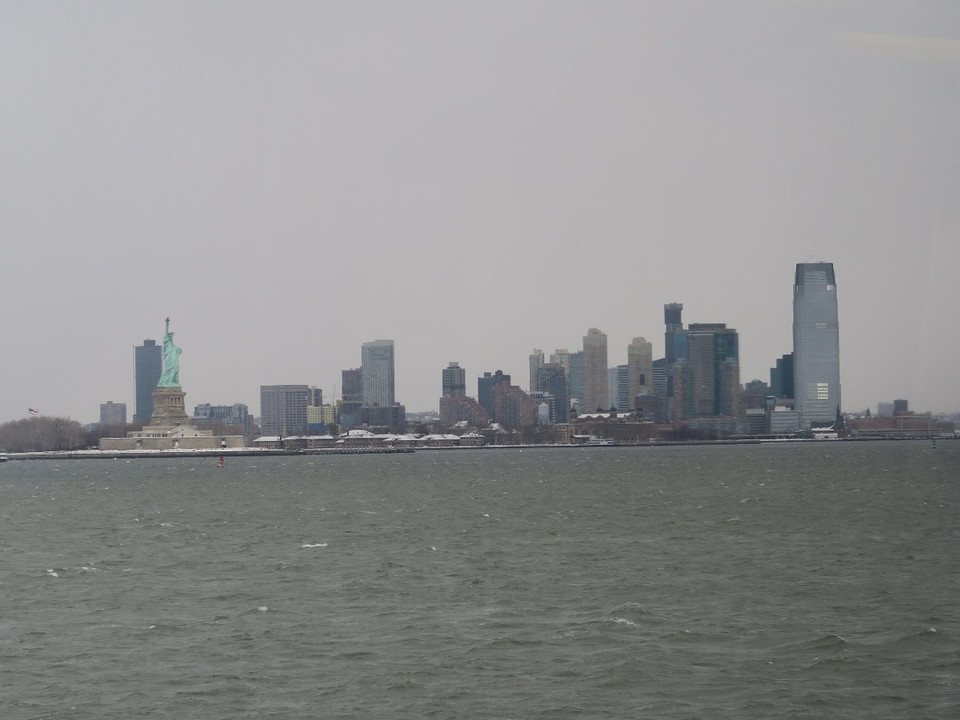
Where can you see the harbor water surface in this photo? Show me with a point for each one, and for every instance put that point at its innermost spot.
(776, 580)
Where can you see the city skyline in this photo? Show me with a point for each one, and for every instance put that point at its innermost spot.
(472, 180)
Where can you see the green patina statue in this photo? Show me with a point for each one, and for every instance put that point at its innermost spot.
(171, 361)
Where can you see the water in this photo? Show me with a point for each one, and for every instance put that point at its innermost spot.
(780, 580)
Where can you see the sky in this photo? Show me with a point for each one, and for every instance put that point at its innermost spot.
(288, 180)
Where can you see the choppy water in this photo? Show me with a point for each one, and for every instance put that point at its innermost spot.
(783, 580)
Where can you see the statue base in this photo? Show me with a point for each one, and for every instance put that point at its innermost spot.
(168, 407)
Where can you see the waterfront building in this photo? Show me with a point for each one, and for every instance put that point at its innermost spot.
(283, 409)
(113, 414)
(147, 366)
(595, 378)
(376, 362)
(816, 344)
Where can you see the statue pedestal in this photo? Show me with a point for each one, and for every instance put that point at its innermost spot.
(168, 407)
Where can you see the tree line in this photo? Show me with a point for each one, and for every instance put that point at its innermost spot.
(37, 434)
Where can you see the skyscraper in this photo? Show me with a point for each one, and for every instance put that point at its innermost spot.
(575, 380)
(351, 382)
(147, 366)
(639, 370)
(485, 389)
(536, 361)
(712, 371)
(376, 361)
(552, 379)
(674, 336)
(454, 381)
(595, 376)
(816, 344)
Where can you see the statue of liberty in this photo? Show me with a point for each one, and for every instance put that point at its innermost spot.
(171, 361)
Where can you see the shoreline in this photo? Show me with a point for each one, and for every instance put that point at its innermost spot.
(270, 452)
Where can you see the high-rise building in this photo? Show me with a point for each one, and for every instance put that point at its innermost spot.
(552, 379)
(376, 361)
(781, 377)
(595, 378)
(147, 366)
(816, 344)
(639, 370)
(618, 388)
(113, 414)
(536, 361)
(283, 409)
(713, 371)
(454, 381)
(485, 391)
(561, 357)
(455, 406)
(513, 408)
(575, 378)
(351, 398)
(674, 334)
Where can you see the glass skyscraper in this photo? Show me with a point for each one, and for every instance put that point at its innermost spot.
(816, 344)
(376, 362)
(148, 366)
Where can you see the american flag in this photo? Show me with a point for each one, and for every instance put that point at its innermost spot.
(33, 411)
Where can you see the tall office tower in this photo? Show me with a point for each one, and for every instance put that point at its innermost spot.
(112, 413)
(595, 371)
(454, 381)
(283, 409)
(561, 357)
(575, 380)
(781, 377)
(485, 391)
(618, 388)
(639, 370)
(147, 366)
(552, 379)
(536, 361)
(816, 344)
(674, 336)
(376, 361)
(351, 398)
(713, 371)
(351, 383)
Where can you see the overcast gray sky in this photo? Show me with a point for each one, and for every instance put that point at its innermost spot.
(287, 180)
